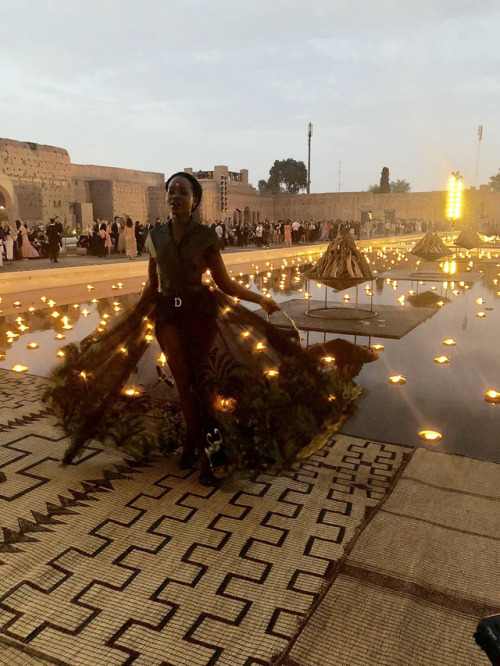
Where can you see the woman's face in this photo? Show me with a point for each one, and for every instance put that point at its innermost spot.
(180, 196)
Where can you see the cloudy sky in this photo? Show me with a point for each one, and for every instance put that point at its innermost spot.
(159, 85)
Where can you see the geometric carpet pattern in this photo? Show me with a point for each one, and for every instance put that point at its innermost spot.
(420, 576)
(108, 561)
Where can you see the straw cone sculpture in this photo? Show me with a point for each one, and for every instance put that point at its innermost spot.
(430, 247)
(342, 266)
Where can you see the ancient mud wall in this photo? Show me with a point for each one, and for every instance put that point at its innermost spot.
(40, 177)
(480, 207)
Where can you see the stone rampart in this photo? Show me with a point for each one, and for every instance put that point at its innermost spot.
(40, 177)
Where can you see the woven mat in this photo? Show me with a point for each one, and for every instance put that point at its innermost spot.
(419, 577)
(110, 562)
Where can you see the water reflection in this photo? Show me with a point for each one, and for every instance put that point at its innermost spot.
(448, 398)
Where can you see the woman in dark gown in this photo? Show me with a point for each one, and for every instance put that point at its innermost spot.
(251, 396)
(186, 310)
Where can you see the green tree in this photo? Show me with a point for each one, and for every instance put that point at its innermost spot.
(400, 186)
(262, 185)
(374, 188)
(495, 182)
(385, 186)
(285, 177)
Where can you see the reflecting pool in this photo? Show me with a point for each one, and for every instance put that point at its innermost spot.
(447, 396)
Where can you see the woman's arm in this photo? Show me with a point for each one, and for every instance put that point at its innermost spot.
(232, 288)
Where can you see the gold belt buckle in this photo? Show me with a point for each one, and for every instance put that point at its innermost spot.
(177, 302)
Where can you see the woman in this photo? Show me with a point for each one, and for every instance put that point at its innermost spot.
(251, 396)
(130, 239)
(288, 233)
(186, 312)
(27, 249)
(108, 243)
(8, 241)
(121, 246)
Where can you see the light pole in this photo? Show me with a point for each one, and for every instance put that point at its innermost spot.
(480, 138)
(309, 135)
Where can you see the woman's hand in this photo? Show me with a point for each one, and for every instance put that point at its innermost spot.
(269, 305)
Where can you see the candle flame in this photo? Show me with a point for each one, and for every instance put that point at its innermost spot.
(430, 435)
(442, 359)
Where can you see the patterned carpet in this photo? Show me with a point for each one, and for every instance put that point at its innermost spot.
(111, 562)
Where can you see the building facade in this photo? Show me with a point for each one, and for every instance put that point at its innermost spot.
(38, 182)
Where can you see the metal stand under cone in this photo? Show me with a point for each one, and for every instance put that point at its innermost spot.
(341, 312)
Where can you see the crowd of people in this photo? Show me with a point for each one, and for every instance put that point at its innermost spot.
(121, 236)
(18, 242)
(294, 232)
(125, 237)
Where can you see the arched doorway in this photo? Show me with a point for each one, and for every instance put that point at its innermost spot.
(8, 201)
(4, 217)
(246, 215)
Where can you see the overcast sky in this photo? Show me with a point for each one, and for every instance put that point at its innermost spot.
(159, 85)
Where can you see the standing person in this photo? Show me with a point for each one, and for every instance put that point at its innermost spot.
(54, 239)
(27, 249)
(186, 312)
(121, 246)
(224, 384)
(114, 233)
(220, 234)
(259, 235)
(130, 241)
(295, 232)
(9, 242)
(139, 237)
(287, 233)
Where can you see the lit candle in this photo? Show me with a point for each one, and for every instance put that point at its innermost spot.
(378, 347)
(328, 359)
(430, 435)
(20, 368)
(131, 391)
(449, 342)
(481, 315)
(32, 345)
(397, 379)
(442, 359)
(492, 396)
